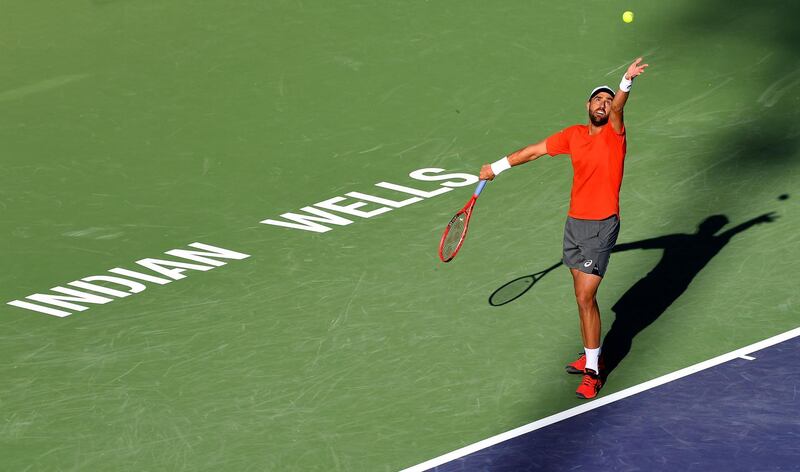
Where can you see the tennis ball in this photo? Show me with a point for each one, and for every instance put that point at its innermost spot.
(627, 17)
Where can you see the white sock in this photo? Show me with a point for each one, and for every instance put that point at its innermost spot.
(592, 356)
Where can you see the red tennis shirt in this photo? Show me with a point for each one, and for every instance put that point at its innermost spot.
(597, 163)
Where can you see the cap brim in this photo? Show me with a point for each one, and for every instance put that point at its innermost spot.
(602, 88)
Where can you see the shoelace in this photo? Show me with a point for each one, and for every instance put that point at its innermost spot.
(589, 381)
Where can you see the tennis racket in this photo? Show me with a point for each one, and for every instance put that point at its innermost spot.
(456, 230)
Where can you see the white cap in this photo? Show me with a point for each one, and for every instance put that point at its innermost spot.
(602, 88)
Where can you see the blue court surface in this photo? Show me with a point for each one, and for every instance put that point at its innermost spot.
(737, 412)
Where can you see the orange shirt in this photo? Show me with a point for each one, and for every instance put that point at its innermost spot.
(597, 163)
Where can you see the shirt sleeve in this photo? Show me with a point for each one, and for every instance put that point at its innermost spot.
(559, 142)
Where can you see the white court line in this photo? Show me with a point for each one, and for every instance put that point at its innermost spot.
(603, 401)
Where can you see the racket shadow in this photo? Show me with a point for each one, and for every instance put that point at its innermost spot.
(518, 287)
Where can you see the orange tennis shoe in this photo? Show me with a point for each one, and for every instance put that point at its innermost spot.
(579, 365)
(590, 385)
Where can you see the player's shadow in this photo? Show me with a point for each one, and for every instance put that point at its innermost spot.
(685, 255)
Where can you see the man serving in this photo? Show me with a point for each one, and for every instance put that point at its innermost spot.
(597, 151)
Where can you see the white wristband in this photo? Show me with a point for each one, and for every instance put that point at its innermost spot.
(625, 84)
(500, 166)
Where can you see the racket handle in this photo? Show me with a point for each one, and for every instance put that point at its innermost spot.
(481, 184)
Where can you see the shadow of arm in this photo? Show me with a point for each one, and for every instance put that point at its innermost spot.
(765, 218)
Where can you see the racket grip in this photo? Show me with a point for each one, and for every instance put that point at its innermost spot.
(479, 189)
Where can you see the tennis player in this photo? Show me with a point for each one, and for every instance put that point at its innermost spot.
(597, 151)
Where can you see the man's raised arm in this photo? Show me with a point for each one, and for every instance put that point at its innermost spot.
(618, 104)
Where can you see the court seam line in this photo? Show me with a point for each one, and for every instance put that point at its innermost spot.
(630, 391)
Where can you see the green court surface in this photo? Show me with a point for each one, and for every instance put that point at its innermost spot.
(132, 128)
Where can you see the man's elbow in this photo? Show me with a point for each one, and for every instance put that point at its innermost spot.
(540, 149)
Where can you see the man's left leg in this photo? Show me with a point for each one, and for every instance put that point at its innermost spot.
(586, 286)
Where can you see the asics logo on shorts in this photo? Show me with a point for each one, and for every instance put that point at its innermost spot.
(587, 263)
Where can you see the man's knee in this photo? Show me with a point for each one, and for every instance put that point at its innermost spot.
(585, 299)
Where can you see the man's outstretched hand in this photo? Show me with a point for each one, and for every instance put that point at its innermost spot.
(635, 69)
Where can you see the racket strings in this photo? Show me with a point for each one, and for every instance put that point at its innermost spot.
(455, 233)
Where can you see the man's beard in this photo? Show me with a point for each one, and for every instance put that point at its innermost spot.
(598, 121)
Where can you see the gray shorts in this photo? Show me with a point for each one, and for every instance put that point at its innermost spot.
(588, 243)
